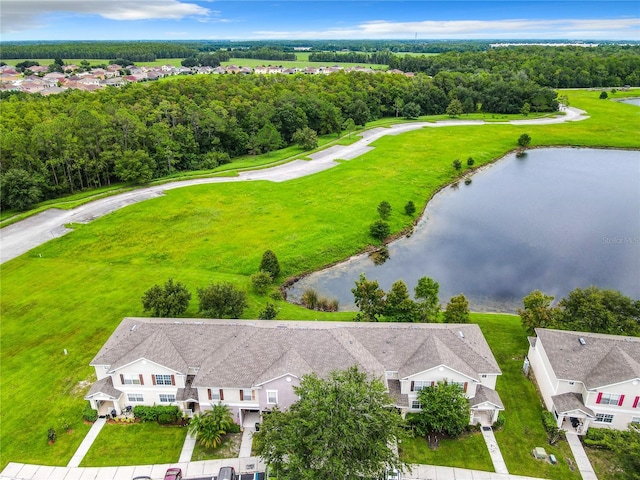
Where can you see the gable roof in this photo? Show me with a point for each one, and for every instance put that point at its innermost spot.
(232, 353)
(104, 387)
(570, 402)
(602, 360)
(486, 395)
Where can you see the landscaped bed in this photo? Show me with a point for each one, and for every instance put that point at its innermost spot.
(229, 448)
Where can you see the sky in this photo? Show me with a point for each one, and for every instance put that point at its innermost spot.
(318, 19)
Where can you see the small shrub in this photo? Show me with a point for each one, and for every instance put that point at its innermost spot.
(270, 264)
(65, 425)
(410, 208)
(499, 423)
(261, 281)
(269, 313)
(384, 210)
(524, 140)
(277, 296)
(470, 161)
(51, 435)
(89, 414)
(145, 413)
(549, 423)
(233, 428)
(309, 298)
(457, 164)
(379, 230)
(166, 419)
(603, 95)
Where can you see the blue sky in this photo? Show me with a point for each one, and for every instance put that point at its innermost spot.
(318, 19)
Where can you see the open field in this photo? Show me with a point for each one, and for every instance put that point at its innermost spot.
(72, 292)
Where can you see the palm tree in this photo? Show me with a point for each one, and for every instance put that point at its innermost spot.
(210, 426)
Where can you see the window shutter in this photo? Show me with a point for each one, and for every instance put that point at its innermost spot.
(599, 399)
(253, 395)
(153, 379)
(241, 395)
(209, 393)
(465, 387)
(173, 379)
(621, 400)
(141, 379)
(221, 395)
(433, 383)
(635, 402)
(122, 379)
(412, 384)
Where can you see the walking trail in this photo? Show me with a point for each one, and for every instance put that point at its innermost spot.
(36, 230)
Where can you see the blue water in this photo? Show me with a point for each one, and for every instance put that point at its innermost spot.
(554, 220)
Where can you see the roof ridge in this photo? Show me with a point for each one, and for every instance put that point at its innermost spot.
(356, 349)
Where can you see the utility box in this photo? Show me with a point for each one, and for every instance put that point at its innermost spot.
(552, 459)
(539, 453)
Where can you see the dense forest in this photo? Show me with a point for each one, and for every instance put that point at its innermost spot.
(381, 58)
(557, 67)
(78, 140)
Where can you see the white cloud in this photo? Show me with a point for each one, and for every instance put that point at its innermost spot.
(18, 15)
(620, 28)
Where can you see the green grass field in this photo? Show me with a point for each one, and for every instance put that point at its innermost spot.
(467, 451)
(135, 444)
(73, 291)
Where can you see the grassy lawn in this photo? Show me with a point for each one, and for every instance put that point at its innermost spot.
(135, 444)
(229, 448)
(72, 292)
(601, 463)
(468, 451)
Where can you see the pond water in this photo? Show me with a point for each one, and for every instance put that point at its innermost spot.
(554, 220)
(631, 101)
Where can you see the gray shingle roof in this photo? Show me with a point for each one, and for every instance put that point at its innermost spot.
(569, 402)
(247, 353)
(399, 400)
(602, 360)
(485, 394)
(104, 386)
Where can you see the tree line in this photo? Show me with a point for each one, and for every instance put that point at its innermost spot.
(379, 58)
(80, 140)
(555, 67)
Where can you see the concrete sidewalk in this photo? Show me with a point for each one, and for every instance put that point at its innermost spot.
(87, 442)
(494, 450)
(187, 448)
(582, 461)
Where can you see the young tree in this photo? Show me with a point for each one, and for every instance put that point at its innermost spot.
(135, 166)
(270, 264)
(526, 108)
(19, 189)
(170, 300)
(457, 310)
(399, 307)
(445, 409)
(269, 312)
(384, 210)
(538, 312)
(454, 108)
(261, 281)
(341, 427)
(524, 140)
(268, 138)
(398, 104)
(349, 125)
(369, 298)
(411, 110)
(457, 164)
(306, 138)
(222, 300)
(426, 292)
(604, 95)
(211, 425)
(410, 208)
(470, 161)
(379, 230)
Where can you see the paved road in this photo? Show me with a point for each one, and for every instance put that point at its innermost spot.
(26, 234)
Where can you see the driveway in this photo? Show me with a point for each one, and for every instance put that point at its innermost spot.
(36, 230)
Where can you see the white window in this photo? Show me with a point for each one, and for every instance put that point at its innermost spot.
(420, 384)
(459, 384)
(246, 394)
(163, 379)
(167, 398)
(635, 419)
(272, 396)
(215, 394)
(416, 405)
(610, 399)
(131, 379)
(604, 418)
(135, 397)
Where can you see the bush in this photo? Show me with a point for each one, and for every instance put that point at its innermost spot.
(549, 423)
(470, 161)
(499, 423)
(309, 298)
(166, 419)
(163, 414)
(410, 208)
(384, 210)
(270, 264)
(51, 435)
(524, 140)
(233, 428)
(604, 95)
(261, 281)
(269, 313)
(89, 414)
(277, 296)
(457, 164)
(379, 230)
(222, 300)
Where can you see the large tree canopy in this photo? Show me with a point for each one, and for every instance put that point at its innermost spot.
(445, 409)
(342, 427)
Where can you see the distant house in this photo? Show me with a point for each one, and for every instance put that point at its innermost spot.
(587, 378)
(252, 366)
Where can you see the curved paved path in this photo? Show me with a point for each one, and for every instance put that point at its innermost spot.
(31, 232)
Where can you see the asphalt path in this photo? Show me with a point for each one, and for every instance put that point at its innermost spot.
(36, 230)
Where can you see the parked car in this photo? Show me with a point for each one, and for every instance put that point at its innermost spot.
(227, 473)
(173, 474)
(142, 478)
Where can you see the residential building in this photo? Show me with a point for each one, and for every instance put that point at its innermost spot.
(587, 379)
(254, 365)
